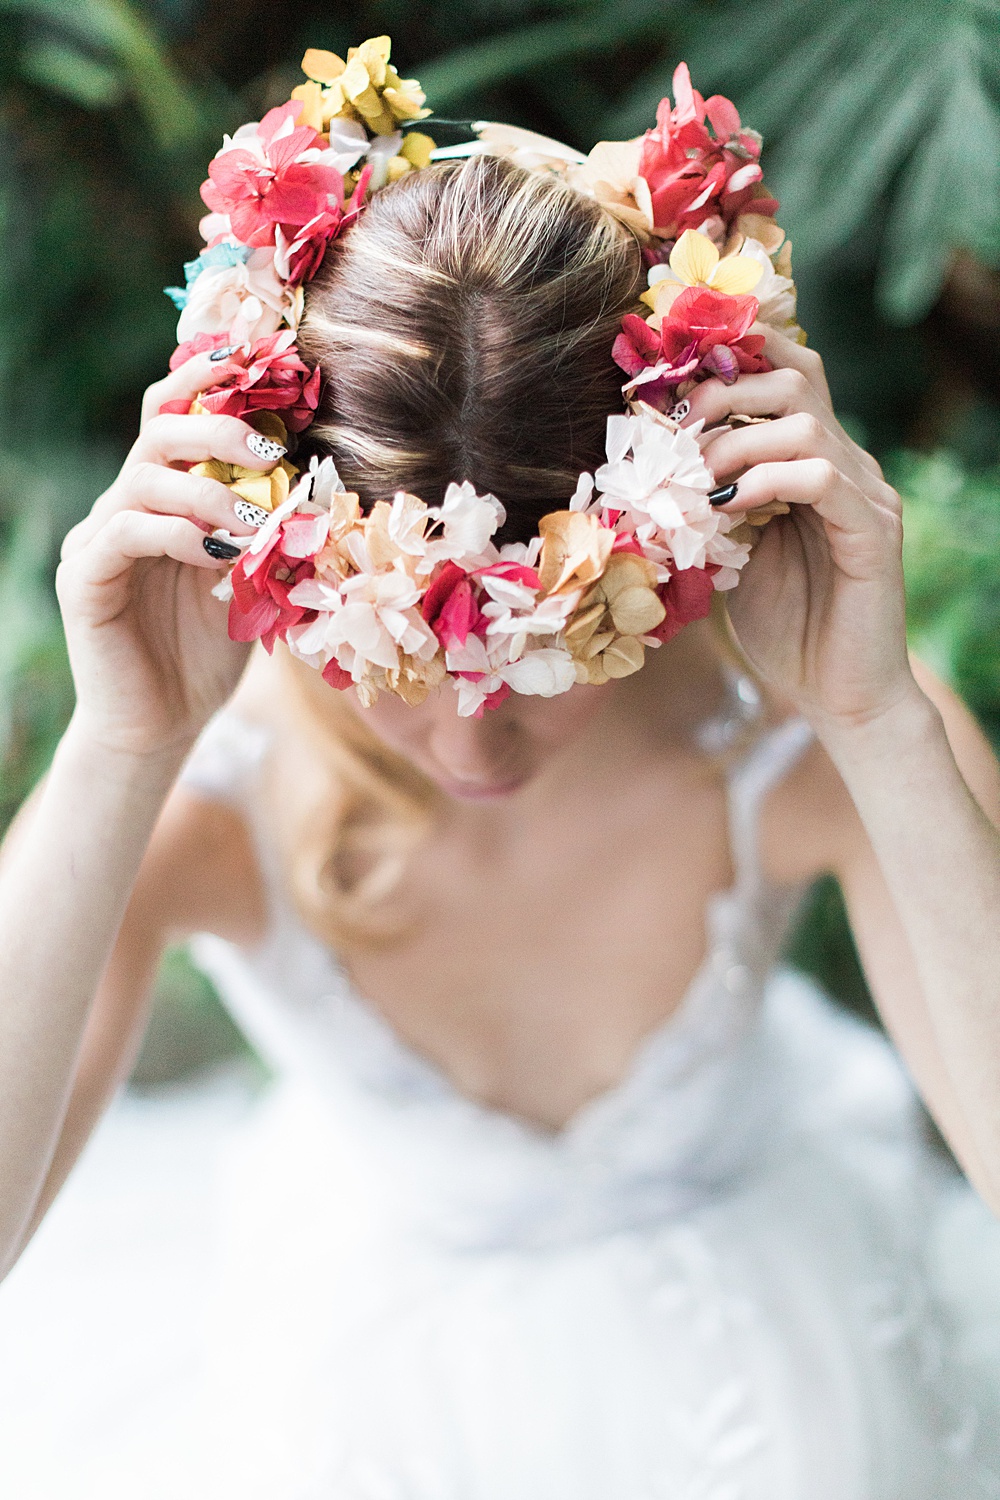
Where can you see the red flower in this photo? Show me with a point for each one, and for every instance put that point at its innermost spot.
(700, 162)
(703, 335)
(269, 376)
(717, 325)
(686, 597)
(450, 607)
(267, 184)
(260, 609)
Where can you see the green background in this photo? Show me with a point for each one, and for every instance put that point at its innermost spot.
(882, 140)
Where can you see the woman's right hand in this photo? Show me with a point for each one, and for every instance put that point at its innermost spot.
(148, 644)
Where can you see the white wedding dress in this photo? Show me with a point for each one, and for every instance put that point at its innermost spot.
(741, 1274)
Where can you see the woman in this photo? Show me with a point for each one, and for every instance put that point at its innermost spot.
(570, 1203)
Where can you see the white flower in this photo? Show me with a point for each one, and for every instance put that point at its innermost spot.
(542, 674)
(663, 458)
(248, 300)
(775, 293)
(468, 521)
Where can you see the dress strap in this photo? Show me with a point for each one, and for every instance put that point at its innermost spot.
(749, 781)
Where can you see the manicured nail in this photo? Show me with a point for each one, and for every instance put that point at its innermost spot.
(250, 515)
(680, 411)
(264, 448)
(217, 548)
(218, 354)
(723, 495)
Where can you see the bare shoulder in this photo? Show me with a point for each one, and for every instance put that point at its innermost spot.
(810, 825)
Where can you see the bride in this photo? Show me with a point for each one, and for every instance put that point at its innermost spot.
(559, 1192)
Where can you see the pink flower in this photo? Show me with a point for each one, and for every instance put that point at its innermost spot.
(267, 376)
(686, 597)
(699, 162)
(299, 258)
(450, 607)
(200, 344)
(272, 175)
(260, 608)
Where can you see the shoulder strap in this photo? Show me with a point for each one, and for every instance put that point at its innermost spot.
(749, 781)
(225, 758)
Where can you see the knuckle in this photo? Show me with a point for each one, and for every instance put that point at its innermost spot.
(808, 429)
(796, 384)
(825, 473)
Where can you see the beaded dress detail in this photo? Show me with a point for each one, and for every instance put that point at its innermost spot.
(740, 1274)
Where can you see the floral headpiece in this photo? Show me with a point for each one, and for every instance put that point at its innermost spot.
(411, 595)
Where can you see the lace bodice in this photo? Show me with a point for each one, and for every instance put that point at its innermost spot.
(695, 1108)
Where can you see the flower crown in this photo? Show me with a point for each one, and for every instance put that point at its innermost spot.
(411, 595)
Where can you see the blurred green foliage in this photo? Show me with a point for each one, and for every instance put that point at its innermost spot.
(882, 127)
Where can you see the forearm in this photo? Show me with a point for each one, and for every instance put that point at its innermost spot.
(65, 880)
(939, 856)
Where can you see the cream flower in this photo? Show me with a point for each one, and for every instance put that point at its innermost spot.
(611, 175)
(774, 292)
(247, 300)
(575, 550)
(527, 149)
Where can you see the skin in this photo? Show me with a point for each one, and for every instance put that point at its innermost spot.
(560, 900)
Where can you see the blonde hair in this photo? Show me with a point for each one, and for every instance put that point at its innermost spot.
(464, 329)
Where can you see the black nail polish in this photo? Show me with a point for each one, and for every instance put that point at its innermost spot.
(722, 495)
(216, 547)
(218, 354)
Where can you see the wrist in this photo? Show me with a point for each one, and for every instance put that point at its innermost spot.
(152, 768)
(907, 721)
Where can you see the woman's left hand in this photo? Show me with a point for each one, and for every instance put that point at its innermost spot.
(819, 610)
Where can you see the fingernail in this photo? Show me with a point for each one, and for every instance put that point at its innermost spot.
(217, 548)
(264, 448)
(680, 411)
(250, 515)
(722, 495)
(218, 354)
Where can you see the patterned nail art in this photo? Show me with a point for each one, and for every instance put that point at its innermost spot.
(218, 354)
(250, 515)
(264, 448)
(680, 411)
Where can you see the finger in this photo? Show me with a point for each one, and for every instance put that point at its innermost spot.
(775, 393)
(819, 484)
(128, 536)
(785, 354)
(151, 487)
(801, 435)
(196, 374)
(177, 439)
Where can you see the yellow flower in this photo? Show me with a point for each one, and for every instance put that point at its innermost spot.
(265, 490)
(414, 152)
(603, 634)
(365, 87)
(269, 490)
(694, 261)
